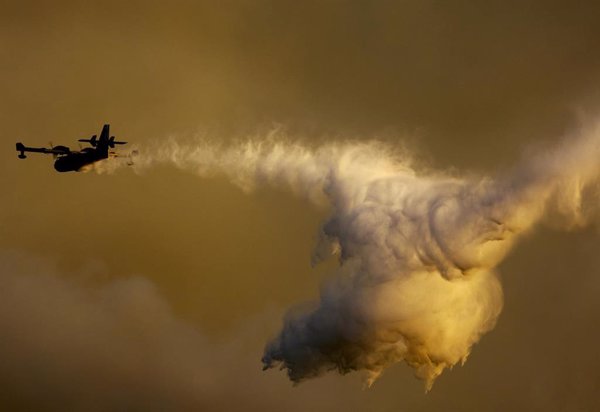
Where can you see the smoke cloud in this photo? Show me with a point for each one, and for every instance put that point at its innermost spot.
(74, 341)
(94, 347)
(417, 250)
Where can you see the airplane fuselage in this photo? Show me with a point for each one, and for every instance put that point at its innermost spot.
(75, 161)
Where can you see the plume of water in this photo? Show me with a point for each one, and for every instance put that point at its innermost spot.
(417, 251)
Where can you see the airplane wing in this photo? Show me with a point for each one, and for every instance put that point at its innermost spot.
(58, 150)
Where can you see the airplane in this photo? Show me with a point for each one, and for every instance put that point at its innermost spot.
(68, 160)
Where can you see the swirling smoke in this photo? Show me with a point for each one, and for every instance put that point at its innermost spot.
(417, 251)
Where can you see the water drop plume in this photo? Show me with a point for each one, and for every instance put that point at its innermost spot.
(418, 251)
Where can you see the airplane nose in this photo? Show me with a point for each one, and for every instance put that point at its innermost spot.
(61, 166)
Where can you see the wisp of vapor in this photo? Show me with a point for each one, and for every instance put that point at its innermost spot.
(417, 251)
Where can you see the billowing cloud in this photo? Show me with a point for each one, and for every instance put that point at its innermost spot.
(73, 341)
(418, 251)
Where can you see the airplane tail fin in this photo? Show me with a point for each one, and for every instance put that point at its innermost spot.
(105, 141)
(93, 140)
(105, 132)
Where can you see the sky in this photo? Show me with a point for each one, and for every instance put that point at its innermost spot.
(157, 289)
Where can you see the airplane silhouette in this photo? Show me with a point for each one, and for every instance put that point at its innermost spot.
(68, 160)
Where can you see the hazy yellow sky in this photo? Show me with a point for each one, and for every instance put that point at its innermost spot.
(467, 86)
